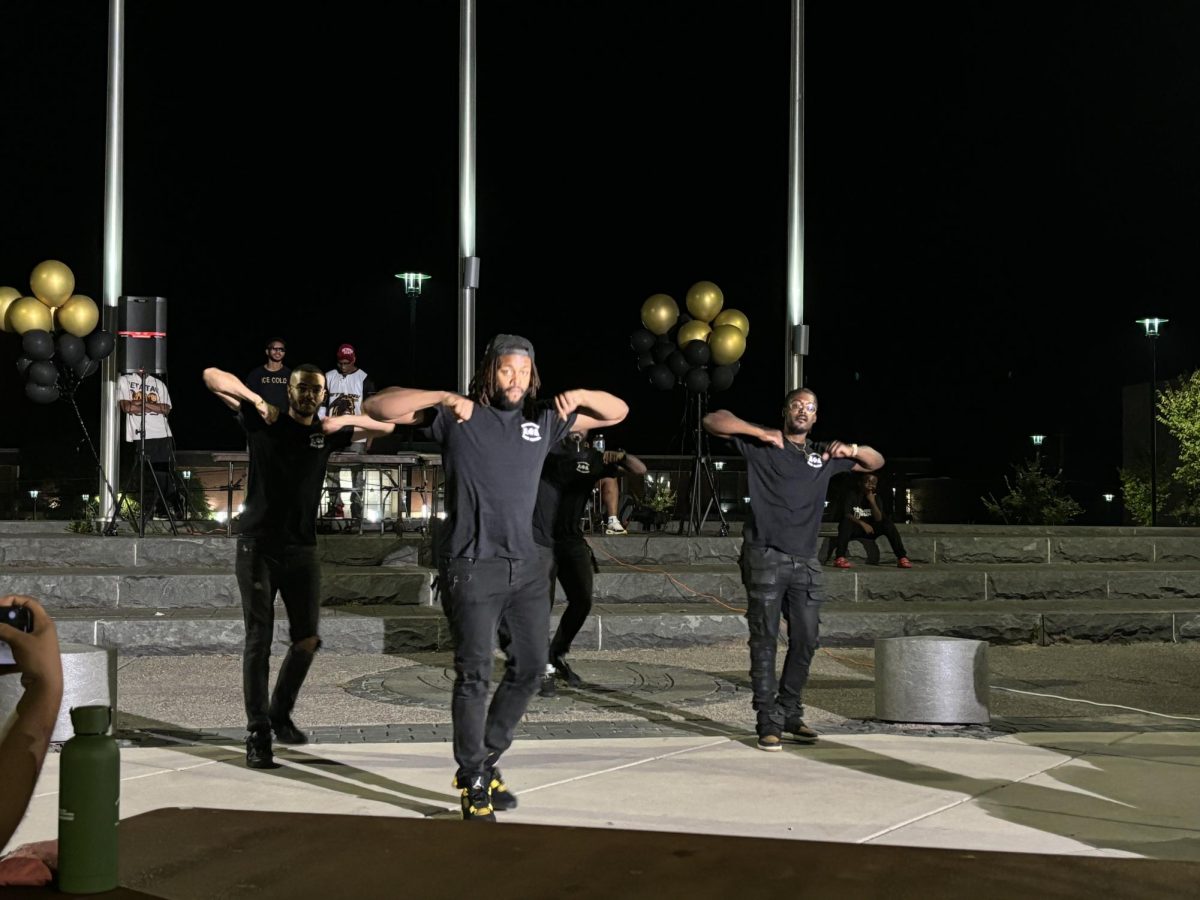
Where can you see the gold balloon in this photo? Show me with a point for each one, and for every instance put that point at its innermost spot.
(733, 317)
(52, 282)
(704, 300)
(694, 330)
(727, 343)
(78, 315)
(7, 296)
(27, 314)
(660, 313)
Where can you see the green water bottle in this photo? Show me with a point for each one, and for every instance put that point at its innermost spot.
(88, 804)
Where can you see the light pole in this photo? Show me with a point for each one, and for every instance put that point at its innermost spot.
(413, 282)
(1152, 326)
(34, 495)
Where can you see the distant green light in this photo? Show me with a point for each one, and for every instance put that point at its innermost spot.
(413, 281)
(1152, 326)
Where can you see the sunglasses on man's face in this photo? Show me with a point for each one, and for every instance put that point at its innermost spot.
(277, 349)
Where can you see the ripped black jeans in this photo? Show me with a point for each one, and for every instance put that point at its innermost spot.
(788, 587)
(295, 572)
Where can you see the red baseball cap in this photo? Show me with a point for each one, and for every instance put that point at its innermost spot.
(346, 352)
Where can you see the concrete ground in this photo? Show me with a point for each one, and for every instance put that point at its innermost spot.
(1092, 750)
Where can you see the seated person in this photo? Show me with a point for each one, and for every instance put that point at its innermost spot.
(864, 519)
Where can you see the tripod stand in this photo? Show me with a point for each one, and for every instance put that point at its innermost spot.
(138, 521)
(702, 472)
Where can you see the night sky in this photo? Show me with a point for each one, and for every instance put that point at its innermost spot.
(995, 192)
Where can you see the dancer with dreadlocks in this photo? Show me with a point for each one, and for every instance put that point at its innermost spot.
(494, 442)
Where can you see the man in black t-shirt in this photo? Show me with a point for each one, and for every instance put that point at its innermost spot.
(490, 569)
(865, 519)
(277, 541)
(570, 472)
(788, 475)
(270, 380)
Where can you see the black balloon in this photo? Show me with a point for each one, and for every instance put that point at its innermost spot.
(37, 344)
(662, 351)
(677, 364)
(645, 361)
(735, 366)
(100, 343)
(641, 340)
(41, 393)
(661, 377)
(697, 353)
(720, 378)
(85, 367)
(70, 349)
(697, 381)
(23, 364)
(42, 371)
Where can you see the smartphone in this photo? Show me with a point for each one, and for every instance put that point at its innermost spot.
(18, 617)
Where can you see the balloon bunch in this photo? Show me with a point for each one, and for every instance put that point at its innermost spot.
(59, 337)
(703, 353)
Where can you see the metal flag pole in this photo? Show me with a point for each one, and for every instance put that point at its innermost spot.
(114, 227)
(468, 261)
(796, 333)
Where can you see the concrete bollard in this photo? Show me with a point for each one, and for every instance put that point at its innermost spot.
(931, 679)
(89, 678)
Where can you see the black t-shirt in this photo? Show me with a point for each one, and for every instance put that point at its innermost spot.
(271, 386)
(857, 506)
(787, 493)
(563, 491)
(493, 462)
(287, 471)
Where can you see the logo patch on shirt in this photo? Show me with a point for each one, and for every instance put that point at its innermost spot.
(814, 460)
(316, 441)
(530, 431)
(583, 467)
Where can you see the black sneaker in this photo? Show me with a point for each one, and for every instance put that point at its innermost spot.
(770, 741)
(258, 751)
(565, 672)
(476, 798)
(548, 687)
(502, 798)
(286, 731)
(801, 732)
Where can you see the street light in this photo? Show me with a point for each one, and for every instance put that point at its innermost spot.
(413, 283)
(34, 495)
(1152, 327)
(1038, 439)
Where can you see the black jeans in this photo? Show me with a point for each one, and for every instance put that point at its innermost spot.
(479, 594)
(295, 572)
(573, 569)
(848, 529)
(779, 585)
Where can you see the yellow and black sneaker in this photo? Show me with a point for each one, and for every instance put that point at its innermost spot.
(502, 798)
(769, 739)
(801, 732)
(476, 798)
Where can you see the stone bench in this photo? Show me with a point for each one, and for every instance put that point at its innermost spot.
(931, 679)
(89, 679)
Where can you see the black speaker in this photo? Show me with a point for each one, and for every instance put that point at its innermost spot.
(142, 334)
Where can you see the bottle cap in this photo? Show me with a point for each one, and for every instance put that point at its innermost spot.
(91, 719)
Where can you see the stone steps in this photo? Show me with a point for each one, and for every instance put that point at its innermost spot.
(107, 589)
(164, 594)
(396, 629)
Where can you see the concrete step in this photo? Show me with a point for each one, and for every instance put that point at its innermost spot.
(964, 583)
(32, 549)
(1178, 546)
(399, 629)
(107, 589)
